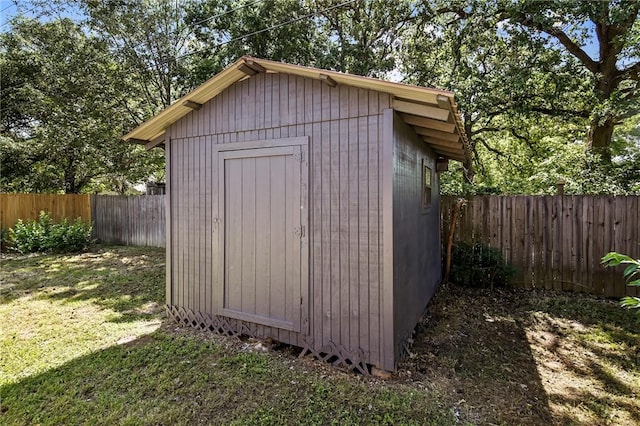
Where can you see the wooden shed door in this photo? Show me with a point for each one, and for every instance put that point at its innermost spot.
(263, 230)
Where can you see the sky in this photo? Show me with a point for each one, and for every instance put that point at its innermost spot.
(7, 10)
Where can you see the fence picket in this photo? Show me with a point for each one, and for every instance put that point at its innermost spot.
(28, 206)
(134, 220)
(556, 242)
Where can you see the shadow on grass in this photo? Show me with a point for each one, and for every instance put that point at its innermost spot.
(126, 280)
(470, 347)
(608, 323)
(509, 356)
(164, 379)
(598, 344)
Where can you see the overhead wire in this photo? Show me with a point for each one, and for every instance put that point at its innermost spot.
(273, 27)
(226, 13)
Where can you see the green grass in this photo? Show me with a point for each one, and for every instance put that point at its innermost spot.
(82, 343)
(181, 380)
(54, 308)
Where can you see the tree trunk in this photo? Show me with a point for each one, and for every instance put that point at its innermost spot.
(70, 185)
(469, 170)
(599, 138)
(70, 179)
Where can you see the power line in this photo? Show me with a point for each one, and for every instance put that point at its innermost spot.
(218, 15)
(226, 13)
(273, 27)
(18, 13)
(8, 20)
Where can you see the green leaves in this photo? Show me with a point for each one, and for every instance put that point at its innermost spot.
(67, 93)
(633, 270)
(529, 78)
(44, 235)
(539, 83)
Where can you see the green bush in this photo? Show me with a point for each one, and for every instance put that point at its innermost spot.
(478, 265)
(45, 235)
(631, 275)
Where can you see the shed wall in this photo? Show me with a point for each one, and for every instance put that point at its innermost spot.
(344, 126)
(416, 232)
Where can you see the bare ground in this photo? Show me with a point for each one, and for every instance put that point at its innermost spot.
(516, 356)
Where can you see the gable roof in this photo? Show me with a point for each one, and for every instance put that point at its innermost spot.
(432, 113)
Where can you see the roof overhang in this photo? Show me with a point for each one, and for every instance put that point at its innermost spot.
(432, 113)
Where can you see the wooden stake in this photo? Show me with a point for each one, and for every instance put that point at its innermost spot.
(452, 227)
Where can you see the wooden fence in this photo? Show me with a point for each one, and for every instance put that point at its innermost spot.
(28, 206)
(135, 220)
(555, 242)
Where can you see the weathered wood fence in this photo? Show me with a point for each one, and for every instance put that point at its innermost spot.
(131, 220)
(28, 206)
(555, 242)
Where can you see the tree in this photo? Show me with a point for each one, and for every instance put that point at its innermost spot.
(147, 39)
(358, 36)
(614, 79)
(529, 59)
(68, 101)
(280, 30)
(364, 34)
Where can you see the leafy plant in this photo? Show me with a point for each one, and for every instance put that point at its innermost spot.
(45, 235)
(479, 265)
(631, 275)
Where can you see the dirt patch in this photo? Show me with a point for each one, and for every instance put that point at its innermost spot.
(528, 357)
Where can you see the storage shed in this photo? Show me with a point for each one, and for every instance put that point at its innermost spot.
(303, 206)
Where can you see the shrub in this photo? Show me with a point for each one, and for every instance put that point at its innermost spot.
(45, 235)
(478, 265)
(631, 275)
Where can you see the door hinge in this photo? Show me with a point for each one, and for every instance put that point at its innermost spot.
(299, 156)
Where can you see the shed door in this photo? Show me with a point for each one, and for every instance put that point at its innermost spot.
(262, 235)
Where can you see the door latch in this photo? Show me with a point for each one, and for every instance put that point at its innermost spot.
(299, 231)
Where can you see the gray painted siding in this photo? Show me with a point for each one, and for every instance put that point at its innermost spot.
(344, 126)
(416, 231)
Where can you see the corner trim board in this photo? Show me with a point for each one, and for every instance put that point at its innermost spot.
(386, 299)
(168, 225)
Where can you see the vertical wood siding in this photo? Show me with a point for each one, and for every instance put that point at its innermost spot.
(416, 231)
(555, 242)
(344, 126)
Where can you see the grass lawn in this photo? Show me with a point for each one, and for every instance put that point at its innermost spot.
(83, 340)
